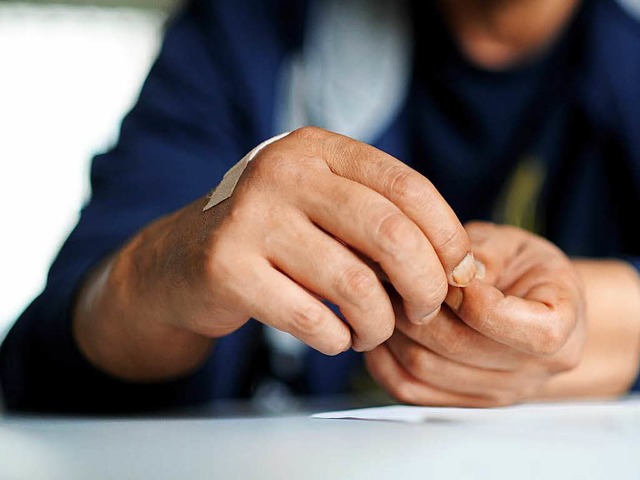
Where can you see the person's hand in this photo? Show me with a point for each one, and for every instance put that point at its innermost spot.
(313, 215)
(497, 341)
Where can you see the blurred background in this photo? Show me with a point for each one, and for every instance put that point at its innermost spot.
(69, 71)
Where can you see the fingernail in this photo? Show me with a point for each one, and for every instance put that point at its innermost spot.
(429, 317)
(465, 272)
(481, 270)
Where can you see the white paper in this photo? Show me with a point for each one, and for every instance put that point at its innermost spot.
(546, 411)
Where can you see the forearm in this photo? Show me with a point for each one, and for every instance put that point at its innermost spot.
(121, 321)
(611, 355)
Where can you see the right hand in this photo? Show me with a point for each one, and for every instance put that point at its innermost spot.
(313, 217)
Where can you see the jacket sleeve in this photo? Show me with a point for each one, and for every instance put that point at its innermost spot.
(200, 109)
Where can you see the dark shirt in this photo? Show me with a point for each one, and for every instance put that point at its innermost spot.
(569, 116)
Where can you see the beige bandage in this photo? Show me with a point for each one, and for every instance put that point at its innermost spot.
(228, 184)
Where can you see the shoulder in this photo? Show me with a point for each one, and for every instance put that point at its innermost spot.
(247, 20)
(610, 71)
(228, 51)
(629, 9)
(620, 18)
(615, 38)
(617, 24)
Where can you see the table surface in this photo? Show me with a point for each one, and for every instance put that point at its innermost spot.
(604, 445)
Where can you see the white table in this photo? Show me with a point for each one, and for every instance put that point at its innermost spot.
(601, 446)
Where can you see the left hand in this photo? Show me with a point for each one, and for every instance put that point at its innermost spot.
(497, 341)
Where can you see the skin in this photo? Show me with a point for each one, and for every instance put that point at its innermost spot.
(497, 34)
(317, 215)
(286, 238)
(611, 355)
(536, 325)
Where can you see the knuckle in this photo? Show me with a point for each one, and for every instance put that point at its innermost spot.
(374, 335)
(387, 328)
(346, 150)
(510, 392)
(396, 235)
(357, 282)
(526, 392)
(502, 399)
(417, 362)
(552, 337)
(402, 391)
(436, 294)
(277, 168)
(337, 346)
(453, 238)
(307, 319)
(405, 185)
(308, 133)
(431, 295)
(395, 385)
(371, 337)
(452, 341)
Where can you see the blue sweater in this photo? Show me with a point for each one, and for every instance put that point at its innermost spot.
(210, 97)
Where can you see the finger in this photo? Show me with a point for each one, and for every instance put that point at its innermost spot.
(451, 376)
(514, 259)
(538, 323)
(387, 371)
(451, 338)
(374, 226)
(537, 299)
(279, 302)
(414, 194)
(327, 268)
(491, 251)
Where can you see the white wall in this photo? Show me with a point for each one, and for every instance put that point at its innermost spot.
(67, 75)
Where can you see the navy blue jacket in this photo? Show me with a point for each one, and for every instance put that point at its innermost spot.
(209, 99)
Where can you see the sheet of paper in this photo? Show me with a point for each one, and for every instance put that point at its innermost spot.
(546, 411)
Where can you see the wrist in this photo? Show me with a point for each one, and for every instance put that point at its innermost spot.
(611, 356)
(122, 320)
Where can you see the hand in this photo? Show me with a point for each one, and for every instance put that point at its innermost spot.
(310, 217)
(497, 341)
